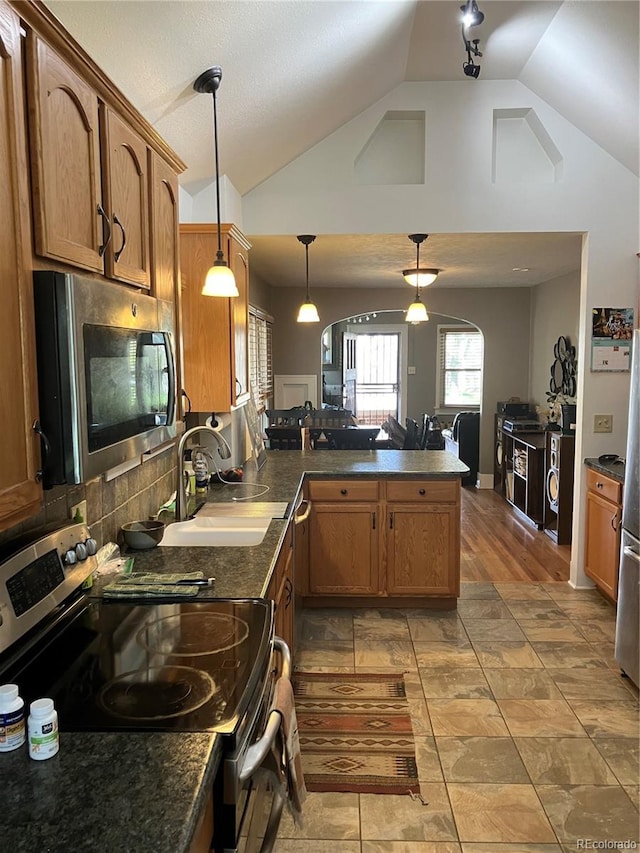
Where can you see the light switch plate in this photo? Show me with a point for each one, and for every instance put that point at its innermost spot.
(411, 371)
(603, 423)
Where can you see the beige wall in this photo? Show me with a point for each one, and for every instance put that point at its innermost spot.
(555, 311)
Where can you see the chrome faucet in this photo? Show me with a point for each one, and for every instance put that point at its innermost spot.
(224, 451)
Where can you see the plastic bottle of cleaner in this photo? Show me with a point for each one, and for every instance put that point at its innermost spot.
(201, 469)
(11, 718)
(43, 729)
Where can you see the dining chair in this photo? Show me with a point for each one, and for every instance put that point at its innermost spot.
(284, 437)
(344, 438)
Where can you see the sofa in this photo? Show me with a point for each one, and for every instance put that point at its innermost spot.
(463, 439)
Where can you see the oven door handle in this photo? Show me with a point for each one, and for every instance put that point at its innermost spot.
(257, 753)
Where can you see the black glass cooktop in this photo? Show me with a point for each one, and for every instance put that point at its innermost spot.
(165, 667)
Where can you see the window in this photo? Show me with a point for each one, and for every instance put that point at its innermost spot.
(459, 379)
(260, 357)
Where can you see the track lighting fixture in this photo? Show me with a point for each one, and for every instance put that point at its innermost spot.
(419, 276)
(219, 280)
(308, 312)
(471, 17)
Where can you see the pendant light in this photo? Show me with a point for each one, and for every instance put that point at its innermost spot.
(219, 280)
(419, 277)
(417, 312)
(308, 312)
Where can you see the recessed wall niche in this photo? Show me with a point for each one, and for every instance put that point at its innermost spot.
(395, 151)
(523, 151)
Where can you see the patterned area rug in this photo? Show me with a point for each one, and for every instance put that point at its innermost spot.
(355, 733)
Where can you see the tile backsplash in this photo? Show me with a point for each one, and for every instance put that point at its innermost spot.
(134, 495)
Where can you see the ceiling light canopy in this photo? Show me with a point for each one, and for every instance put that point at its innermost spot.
(420, 276)
(308, 313)
(219, 280)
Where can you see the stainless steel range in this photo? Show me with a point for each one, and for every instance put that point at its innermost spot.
(165, 665)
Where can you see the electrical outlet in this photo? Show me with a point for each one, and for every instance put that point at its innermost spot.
(603, 423)
(411, 371)
(80, 507)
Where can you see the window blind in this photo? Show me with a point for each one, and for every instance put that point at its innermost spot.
(460, 355)
(261, 357)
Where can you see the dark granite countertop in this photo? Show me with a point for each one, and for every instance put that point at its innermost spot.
(615, 470)
(145, 792)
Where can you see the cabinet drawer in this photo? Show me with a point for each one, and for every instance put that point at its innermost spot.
(343, 490)
(604, 486)
(423, 490)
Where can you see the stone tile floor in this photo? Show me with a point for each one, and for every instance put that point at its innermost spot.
(526, 734)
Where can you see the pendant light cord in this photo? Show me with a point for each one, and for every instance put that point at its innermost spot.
(215, 146)
(306, 250)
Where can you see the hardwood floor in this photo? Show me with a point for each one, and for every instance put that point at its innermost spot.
(496, 544)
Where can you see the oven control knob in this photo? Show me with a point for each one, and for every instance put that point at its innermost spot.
(70, 557)
(81, 551)
(91, 546)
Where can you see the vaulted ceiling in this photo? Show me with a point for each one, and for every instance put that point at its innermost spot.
(294, 71)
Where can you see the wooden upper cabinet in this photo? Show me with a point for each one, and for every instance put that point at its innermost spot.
(163, 193)
(65, 160)
(214, 329)
(125, 187)
(20, 492)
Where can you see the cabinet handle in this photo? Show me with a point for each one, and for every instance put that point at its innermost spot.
(421, 491)
(46, 449)
(390, 521)
(599, 485)
(343, 491)
(105, 221)
(373, 520)
(614, 521)
(299, 519)
(117, 254)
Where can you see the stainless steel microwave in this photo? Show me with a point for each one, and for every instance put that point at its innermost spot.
(106, 375)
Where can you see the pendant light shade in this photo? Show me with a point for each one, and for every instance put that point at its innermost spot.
(419, 276)
(219, 280)
(417, 312)
(308, 312)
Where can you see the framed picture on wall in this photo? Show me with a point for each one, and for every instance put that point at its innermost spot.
(611, 336)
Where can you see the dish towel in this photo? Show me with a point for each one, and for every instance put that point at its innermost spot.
(152, 584)
(283, 703)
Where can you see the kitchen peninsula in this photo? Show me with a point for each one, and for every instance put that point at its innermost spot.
(149, 791)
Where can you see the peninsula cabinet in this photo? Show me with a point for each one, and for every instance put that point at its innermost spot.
(391, 539)
(602, 547)
(215, 331)
(344, 536)
(423, 535)
(20, 490)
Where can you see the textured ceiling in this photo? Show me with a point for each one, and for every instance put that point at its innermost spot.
(465, 260)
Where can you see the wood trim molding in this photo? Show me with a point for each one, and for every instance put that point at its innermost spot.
(43, 22)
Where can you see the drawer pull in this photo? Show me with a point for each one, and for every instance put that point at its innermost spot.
(343, 491)
(421, 492)
(599, 485)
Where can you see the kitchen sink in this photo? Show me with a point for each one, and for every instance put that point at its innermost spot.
(211, 531)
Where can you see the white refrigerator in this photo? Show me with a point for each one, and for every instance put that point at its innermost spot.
(627, 648)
